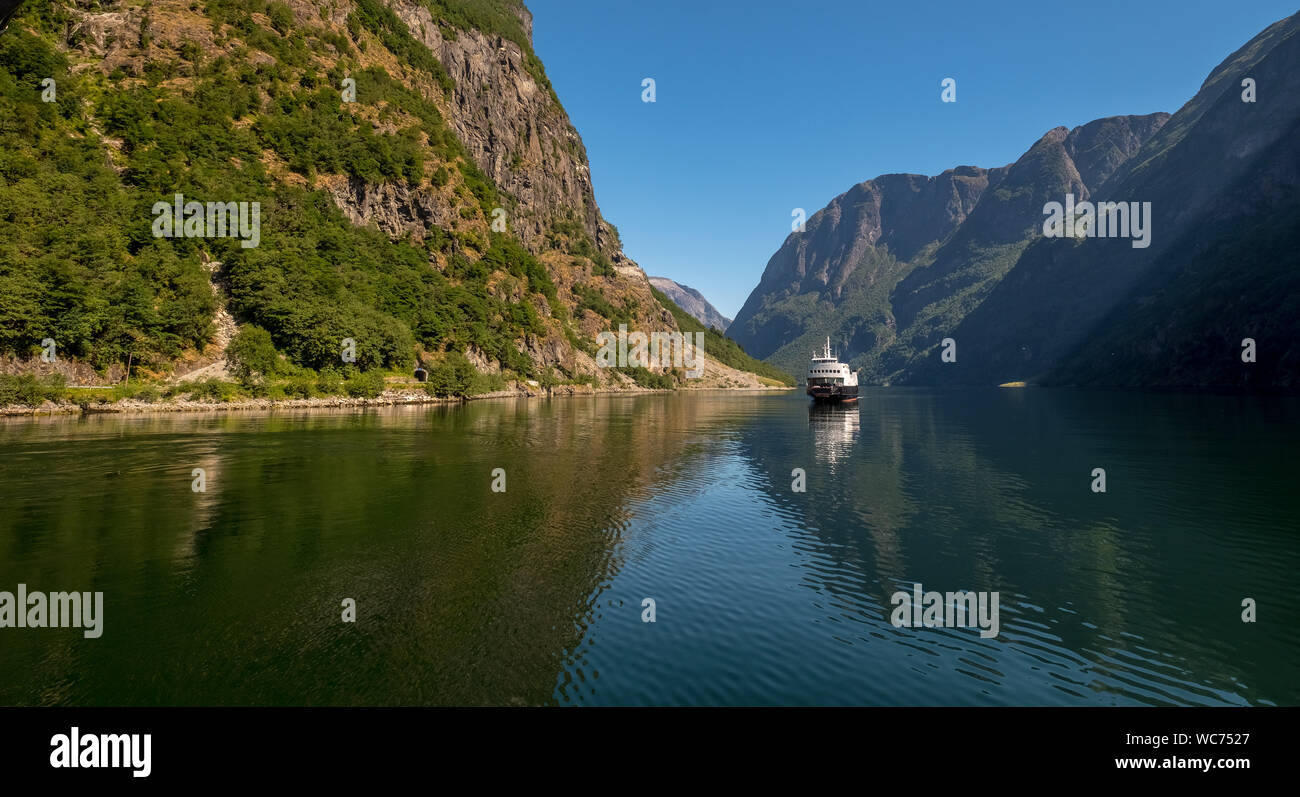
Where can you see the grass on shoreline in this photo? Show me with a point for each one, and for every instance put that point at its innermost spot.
(452, 380)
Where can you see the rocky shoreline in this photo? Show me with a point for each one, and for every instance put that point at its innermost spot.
(390, 398)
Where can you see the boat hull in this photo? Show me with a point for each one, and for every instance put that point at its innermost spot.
(833, 393)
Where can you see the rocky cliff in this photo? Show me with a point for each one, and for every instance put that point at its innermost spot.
(888, 268)
(894, 215)
(1181, 309)
(1222, 265)
(423, 191)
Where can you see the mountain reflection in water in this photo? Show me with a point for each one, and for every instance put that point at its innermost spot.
(762, 594)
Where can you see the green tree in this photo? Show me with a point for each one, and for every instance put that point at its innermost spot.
(454, 376)
(251, 355)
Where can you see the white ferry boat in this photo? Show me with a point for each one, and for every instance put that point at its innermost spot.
(829, 379)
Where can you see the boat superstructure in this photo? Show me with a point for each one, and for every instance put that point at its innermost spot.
(829, 379)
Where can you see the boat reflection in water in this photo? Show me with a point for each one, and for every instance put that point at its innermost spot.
(835, 429)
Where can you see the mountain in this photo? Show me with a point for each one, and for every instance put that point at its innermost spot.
(936, 295)
(890, 262)
(886, 219)
(693, 302)
(1224, 179)
(1218, 266)
(421, 193)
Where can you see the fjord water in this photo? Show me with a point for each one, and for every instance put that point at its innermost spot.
(762, 595)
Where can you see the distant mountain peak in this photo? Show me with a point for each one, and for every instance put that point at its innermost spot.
(693, 302)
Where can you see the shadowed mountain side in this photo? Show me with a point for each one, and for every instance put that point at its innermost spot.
(887, 269)
(1166, 306)
(1230, 279)
(1222, 190)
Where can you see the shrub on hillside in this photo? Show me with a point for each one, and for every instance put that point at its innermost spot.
(454, 376)
(251, 356)
(329, 382)
(365, 385)
(29, 389)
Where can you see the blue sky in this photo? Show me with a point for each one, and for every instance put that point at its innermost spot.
(763, 107)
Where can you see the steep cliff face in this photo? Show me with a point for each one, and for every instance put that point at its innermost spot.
(1211, 276)
(422, 190)
(1008, 217)
(510, 121)
(888, 267)
(513, 126)
(898, 214)
(1101, 147)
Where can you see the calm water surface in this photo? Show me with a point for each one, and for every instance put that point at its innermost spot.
(763, 595)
